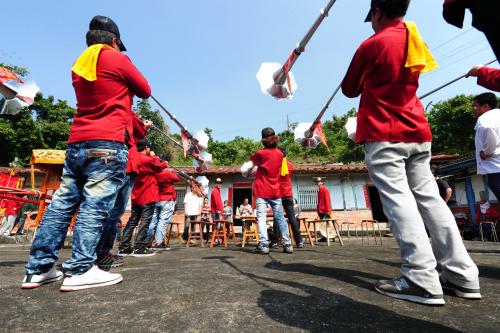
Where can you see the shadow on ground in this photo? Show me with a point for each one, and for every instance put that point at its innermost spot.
(318, 310)
(12, 263)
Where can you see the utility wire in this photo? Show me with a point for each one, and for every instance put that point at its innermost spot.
(450, 40)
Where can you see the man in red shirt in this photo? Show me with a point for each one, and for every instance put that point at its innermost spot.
(164, 209)
(145, 195)
(105, 82)
(216, 206)
(324, 207)
(10, 213)
(396, 135)
(266, 190)
(486, 76)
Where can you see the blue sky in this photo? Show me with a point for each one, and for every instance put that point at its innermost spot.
(201, 57)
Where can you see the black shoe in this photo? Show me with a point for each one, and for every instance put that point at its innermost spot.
(273, 245)
(261, 249)
(287, 248)
(108, 261)
(125, 252)
(404, 289)
(142, 252)
(461, 291)
(300, 245)
(160, 248)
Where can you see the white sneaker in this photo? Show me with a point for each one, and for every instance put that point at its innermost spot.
(91, 279)
(32, 281)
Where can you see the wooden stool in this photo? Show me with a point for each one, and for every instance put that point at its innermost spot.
(168, 235)
(493, 230)
(306, 227)
(364, 224)
(197, 234)
(222, 232)
(248, 222)
(348, 229)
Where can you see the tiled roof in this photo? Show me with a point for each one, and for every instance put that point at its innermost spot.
(299, 169)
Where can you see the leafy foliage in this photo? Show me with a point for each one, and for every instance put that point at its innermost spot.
(452, 125)
(161, 145)
(45, 124)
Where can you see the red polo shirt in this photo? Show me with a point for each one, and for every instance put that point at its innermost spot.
(286, 182)
(389, 110)
(12, 207)
(166, 181)
(216, 200)
(104, 105)
(145, 189)
(267, 178)
(324, 203)
(139, 132)
(489, 78)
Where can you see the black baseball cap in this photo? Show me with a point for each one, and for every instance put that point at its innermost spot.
(397, 7)
(106, 24)
(267, 132)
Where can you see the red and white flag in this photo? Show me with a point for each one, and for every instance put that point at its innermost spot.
(7, 75)
(318, 130)
(186, 144)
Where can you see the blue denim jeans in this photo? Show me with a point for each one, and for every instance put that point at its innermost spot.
(278, 217)
(161, 218)
(111, 228)
(93, 173)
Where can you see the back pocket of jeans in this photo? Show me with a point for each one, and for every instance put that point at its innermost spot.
(102, 154)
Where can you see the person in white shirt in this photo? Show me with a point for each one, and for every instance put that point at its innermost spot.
(192, 210)
(485, 108)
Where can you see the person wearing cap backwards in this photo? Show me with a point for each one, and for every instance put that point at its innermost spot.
(105, 81)
(145, 195)
(397, 141)
(267, 190)
(324, 207)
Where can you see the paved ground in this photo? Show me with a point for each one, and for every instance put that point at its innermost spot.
(317, 289)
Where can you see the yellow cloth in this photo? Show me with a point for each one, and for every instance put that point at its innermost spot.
(284, 167)
(420, 59)
(86, 64)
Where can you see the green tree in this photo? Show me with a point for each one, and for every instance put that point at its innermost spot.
(19, 135)
(452, 125)
(161, 145)
(340, 148)
(53, 120)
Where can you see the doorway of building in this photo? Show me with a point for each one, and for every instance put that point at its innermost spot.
(240, 194)
(376, 204)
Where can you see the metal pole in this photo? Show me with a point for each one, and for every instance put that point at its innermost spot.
(449, 83)
(309, 132)
(280, 77)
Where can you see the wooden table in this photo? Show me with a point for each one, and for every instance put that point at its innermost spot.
(327, 222)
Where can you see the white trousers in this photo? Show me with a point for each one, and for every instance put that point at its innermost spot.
(8, 224)
(410, 197)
